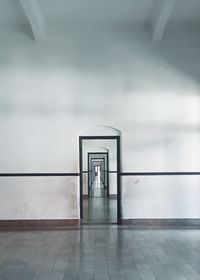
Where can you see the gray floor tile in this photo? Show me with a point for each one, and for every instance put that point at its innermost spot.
(100, 253)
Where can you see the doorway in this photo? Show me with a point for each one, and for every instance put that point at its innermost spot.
(98, 165)
(99, 205)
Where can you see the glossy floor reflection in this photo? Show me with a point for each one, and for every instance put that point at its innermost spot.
(97, 189)
(98, 208)
(100, 253)
(101, 210)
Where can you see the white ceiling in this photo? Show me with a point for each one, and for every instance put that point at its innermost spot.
(186, 11)
(137, 11)
(95, 10)
(62, 12)
(11, 12)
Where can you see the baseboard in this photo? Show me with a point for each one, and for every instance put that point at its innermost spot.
(162, 223)
(61, 224)
(44, 224)
(113, 196)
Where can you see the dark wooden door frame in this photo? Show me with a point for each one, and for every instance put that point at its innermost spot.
(118, 172)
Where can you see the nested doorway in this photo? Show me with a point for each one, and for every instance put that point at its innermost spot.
(100, 190)
(98, 171)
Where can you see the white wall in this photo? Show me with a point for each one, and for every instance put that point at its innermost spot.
(51, 90)
(39, 198)
(160, 197)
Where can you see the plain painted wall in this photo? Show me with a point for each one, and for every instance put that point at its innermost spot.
(77, 78)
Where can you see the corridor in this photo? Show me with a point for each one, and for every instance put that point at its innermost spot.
(97, 189)
(98, 208)
(99, 140)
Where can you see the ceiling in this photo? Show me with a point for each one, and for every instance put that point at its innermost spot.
(11, 12)
(64, 12)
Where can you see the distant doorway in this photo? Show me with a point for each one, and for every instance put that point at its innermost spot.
(98, 170)
(100, 192)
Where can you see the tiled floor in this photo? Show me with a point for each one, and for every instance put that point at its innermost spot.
(98, 208)
(97, 189)
(99, 253)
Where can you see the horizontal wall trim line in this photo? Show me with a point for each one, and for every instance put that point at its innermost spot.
(43, 224)
(121, 174)
(39, 174)
(99, 137)
(112, 171)
(159, 173)
(162, 223)
(96, 153)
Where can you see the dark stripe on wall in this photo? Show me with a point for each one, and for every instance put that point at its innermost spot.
(162, 223)
(121, 174)
(66, 224)
(111, 196)
(38, 174)
(158, 173)
(44, 224)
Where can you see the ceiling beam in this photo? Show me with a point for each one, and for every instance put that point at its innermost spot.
(35, 18)
(162, 18)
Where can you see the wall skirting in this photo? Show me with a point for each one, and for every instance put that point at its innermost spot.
(61, 224)
(44, 224)
(162, 223)
(111, 196)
